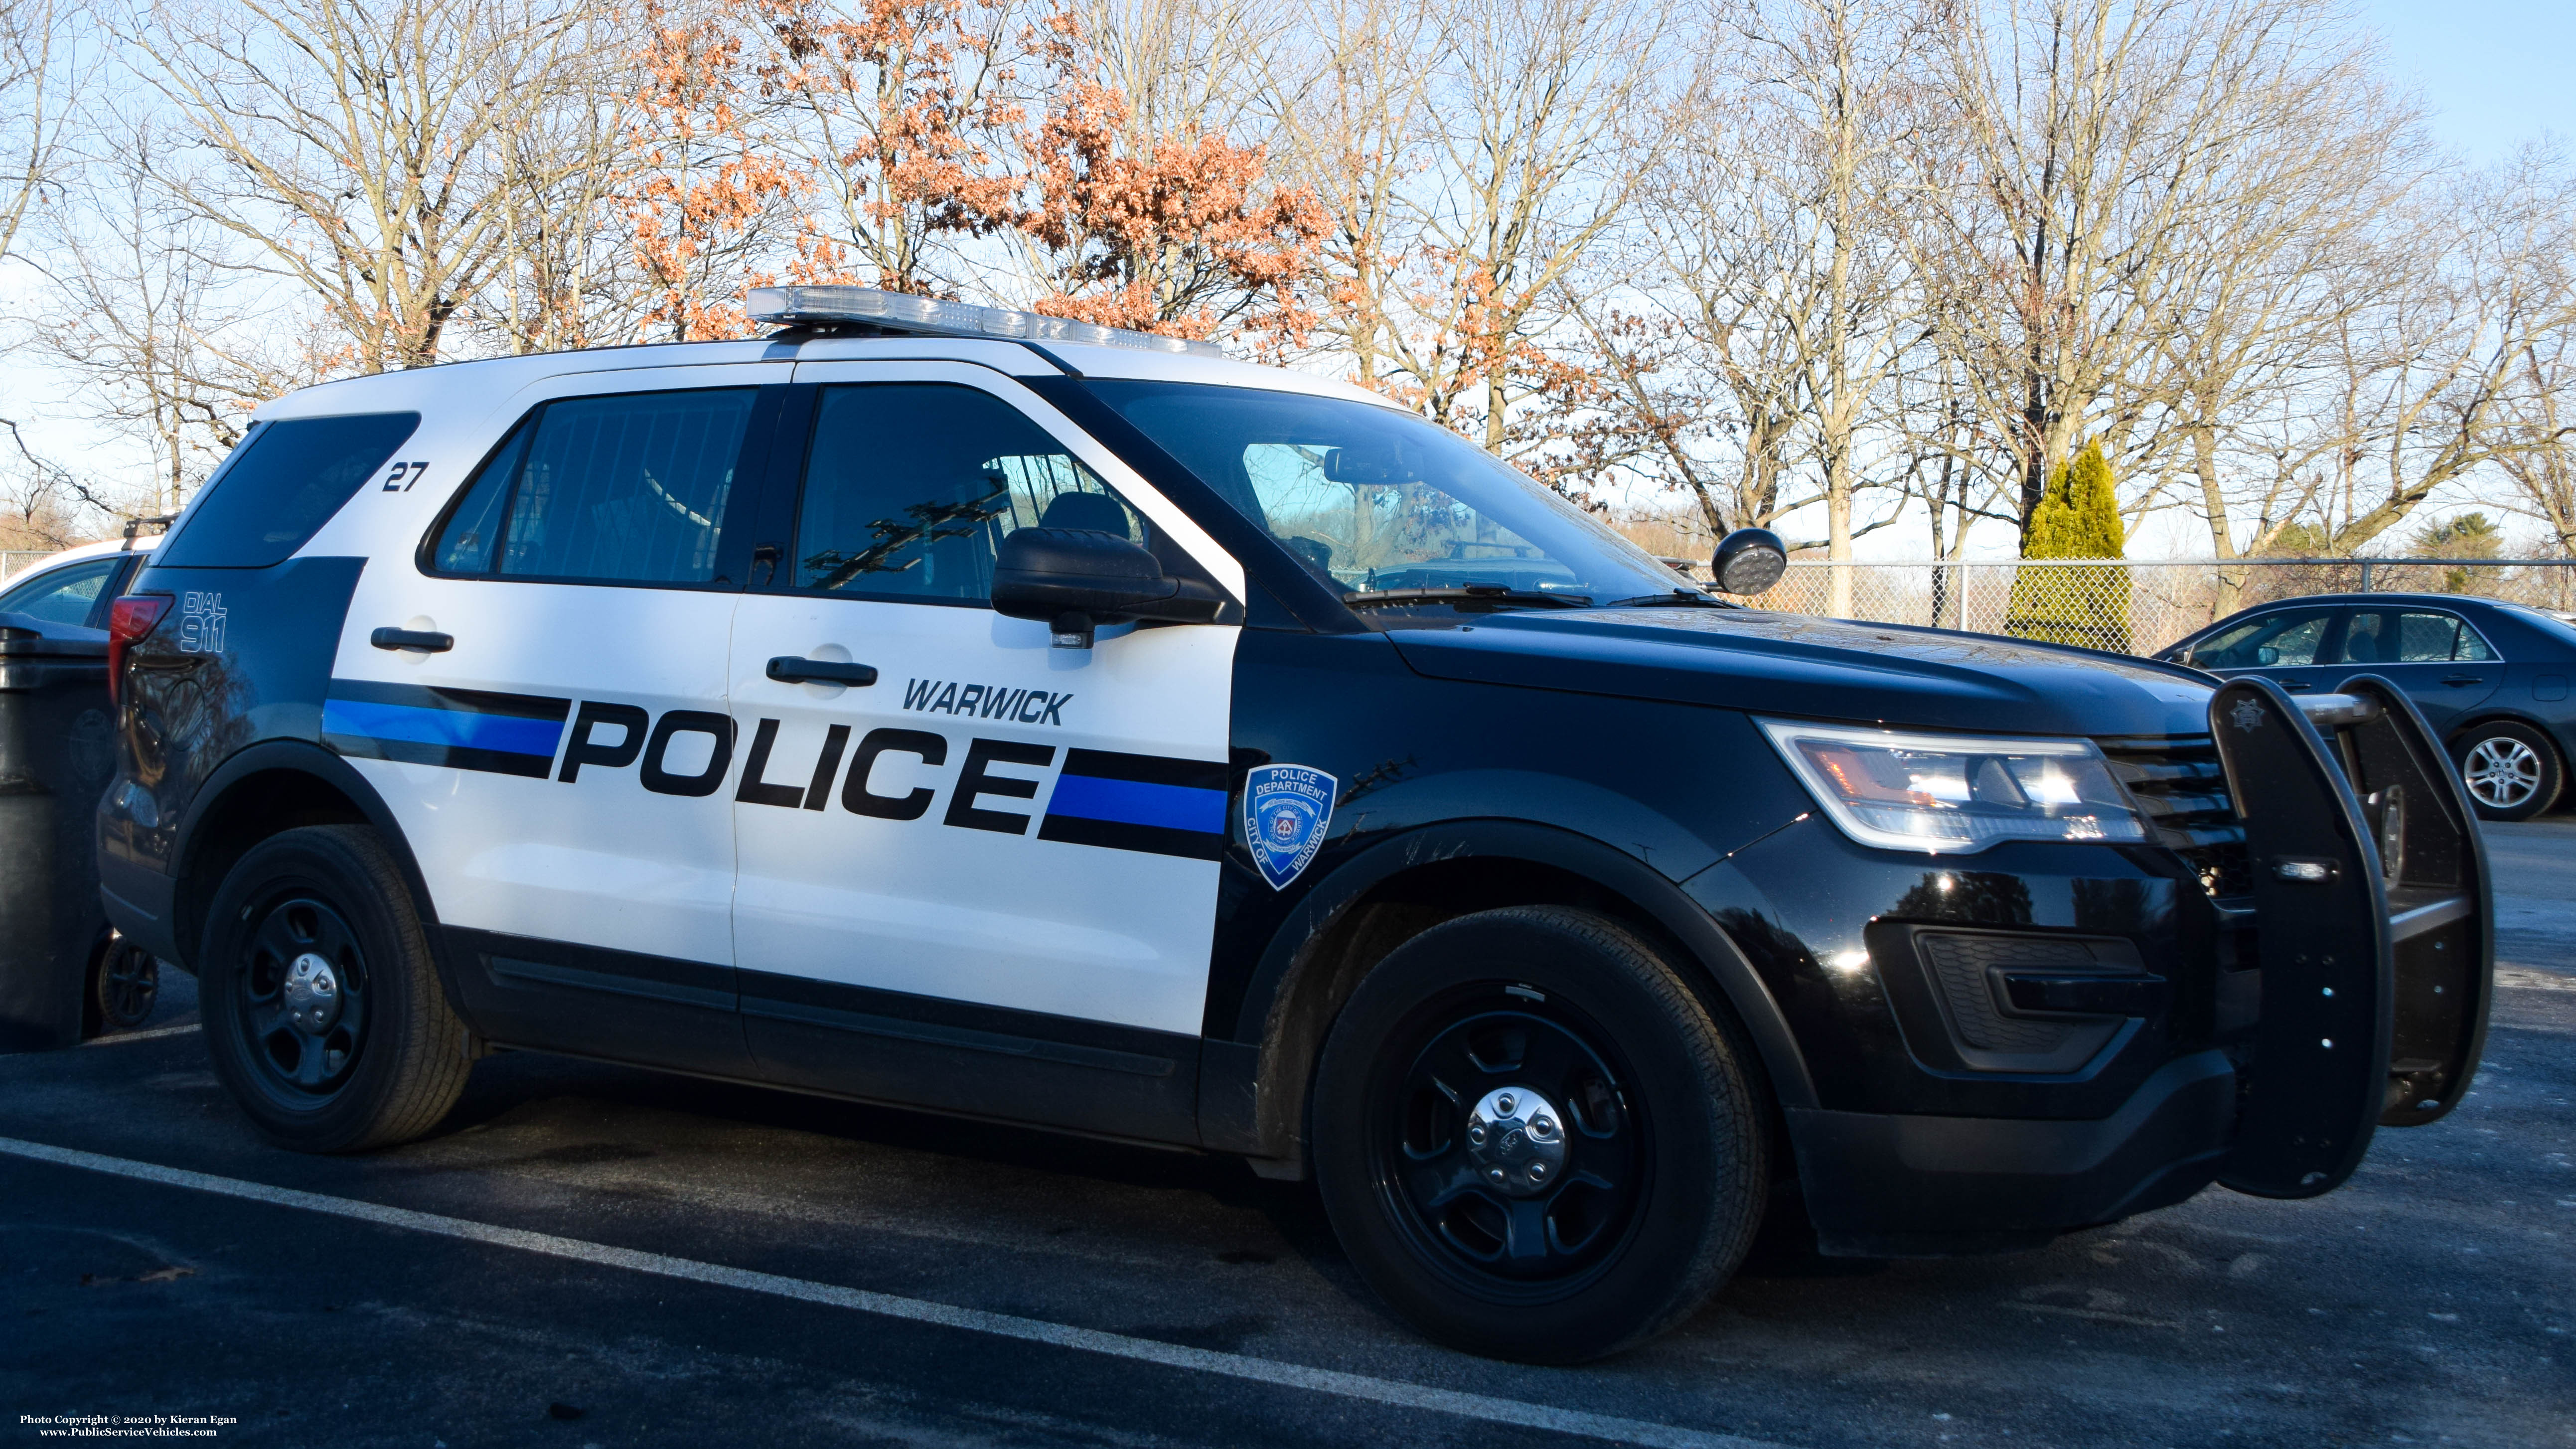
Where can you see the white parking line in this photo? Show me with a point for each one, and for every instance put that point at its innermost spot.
(1116, 1345)
(122, 1037)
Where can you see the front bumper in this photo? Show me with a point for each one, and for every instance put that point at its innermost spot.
(1896, 1185)
(2338, 986)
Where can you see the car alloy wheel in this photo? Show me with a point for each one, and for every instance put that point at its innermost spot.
(2502, 773)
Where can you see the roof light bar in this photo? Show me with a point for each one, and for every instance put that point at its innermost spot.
(929, 316)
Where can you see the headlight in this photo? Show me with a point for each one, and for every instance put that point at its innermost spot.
(1955, 793)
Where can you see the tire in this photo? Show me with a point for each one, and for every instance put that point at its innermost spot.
(1658, 1169)
(124, 985)
(2512, 771)
(323, 1009)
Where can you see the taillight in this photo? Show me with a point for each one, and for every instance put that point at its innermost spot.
(130, 620)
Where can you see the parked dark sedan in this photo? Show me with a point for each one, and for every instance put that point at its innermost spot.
(2490, 677)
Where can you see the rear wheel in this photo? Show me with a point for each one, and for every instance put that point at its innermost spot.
(124, 986)
(1534, 1140)
(2512, 770)
(322, 1004)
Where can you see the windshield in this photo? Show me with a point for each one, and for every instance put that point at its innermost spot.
(1391, 510)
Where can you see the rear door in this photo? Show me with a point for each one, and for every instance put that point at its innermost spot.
(2289, 646)
(985, 880)
(2442, 662)
(548, 719)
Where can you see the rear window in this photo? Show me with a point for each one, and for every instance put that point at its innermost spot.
(286, 482)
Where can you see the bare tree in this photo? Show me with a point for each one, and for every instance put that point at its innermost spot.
(1548, 117)
(36, 93)
(2456, 343)
(358, 149)
(2317, 155)
(2089, 139)
(1348, 107)
(1793, 266)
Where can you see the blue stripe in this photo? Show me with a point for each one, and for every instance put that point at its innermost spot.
(467, 728)
(1132, 802)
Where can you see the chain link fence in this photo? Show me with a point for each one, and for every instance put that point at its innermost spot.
(2134, 607)
(15, 561)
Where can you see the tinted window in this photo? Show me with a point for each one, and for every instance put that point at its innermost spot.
(910, 487)
(63, 596)
(284, 484)
(627, 489)
(2289, 637)
(2395, 636)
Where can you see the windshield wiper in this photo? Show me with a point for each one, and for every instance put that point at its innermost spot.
(1677, 599)
(1495, 594)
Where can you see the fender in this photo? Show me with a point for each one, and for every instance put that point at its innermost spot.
(2491, 713)
(304, 757)
(1252, 1088)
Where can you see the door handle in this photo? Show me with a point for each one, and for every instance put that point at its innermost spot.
(421, 639)
(2294, 685)
(789, 669)
(2462, 679)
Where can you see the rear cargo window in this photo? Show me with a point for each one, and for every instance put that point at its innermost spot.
(288, 480)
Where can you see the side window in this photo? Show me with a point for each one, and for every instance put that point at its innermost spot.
(2289, 637)
(285, 483)
(911, 487)
(64, 595)
(629, 489)
(2391, 636)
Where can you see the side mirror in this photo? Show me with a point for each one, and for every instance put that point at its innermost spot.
(1749, 560)
(1078, 579)
(2266, 655)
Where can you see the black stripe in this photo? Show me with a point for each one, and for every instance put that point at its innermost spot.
(835, 1004)
(471, 701)
(1118, 835)
(454, 757)
(1146, 769)
(512, 968)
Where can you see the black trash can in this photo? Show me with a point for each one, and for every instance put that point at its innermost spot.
(57, 750)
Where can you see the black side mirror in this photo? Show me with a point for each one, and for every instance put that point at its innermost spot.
(1749, 560)
(1078, 579)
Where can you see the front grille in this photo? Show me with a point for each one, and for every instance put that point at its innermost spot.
(2182, 790)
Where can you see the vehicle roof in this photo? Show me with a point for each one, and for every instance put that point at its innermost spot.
(79, 551)
(490, 379)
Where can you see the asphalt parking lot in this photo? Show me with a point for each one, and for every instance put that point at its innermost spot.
(589, 1255)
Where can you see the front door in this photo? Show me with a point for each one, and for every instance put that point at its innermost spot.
(2442, 663)
(548, 724)
(2289, 646)
(977, 872)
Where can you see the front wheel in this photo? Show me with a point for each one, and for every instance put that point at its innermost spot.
(2512, 770)
(322, 1005)
(1534, 1140)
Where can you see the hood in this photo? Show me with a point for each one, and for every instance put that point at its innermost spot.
(1827, 669)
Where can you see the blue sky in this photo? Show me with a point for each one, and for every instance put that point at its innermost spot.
(2493, 73)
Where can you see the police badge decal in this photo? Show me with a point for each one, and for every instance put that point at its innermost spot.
(1285, 810)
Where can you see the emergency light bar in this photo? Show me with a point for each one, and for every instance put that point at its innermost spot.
(931, 317)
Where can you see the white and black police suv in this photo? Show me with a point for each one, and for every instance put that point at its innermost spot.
(985, 713)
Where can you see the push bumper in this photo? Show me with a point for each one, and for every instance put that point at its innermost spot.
(2368, 943)
(1917, 1186)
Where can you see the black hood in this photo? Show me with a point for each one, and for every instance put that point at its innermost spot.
(1794, 664)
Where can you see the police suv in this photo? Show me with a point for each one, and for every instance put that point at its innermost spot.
(995, 715)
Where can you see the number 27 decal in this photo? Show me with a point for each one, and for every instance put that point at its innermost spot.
(403, 476)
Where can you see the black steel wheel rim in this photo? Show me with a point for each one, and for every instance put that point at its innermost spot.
(129, 985)
(300, 1061)
(1534, 1242)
